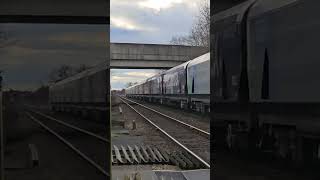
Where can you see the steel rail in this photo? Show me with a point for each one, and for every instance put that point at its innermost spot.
(72, 126)
(85, 157)
(207, 134)
(169, 136)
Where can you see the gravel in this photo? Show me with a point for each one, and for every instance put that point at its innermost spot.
(197, 143)
(150, 135)
(56, 160)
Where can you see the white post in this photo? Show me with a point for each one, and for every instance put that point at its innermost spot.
(120, 109)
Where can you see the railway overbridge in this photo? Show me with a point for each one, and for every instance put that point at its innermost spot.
(151, 56)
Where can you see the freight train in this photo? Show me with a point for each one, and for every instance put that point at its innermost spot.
(186, 86)
(265, 78)
(86, 93)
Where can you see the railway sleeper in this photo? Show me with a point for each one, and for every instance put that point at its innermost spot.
(190, 163)
(196, 163)
(128, 154)
(178, 160)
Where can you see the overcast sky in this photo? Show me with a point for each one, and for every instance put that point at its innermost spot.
(29, 52)
(148, 21)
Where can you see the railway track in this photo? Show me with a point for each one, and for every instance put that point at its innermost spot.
(74, 138)
(194, 128)
(190, 139)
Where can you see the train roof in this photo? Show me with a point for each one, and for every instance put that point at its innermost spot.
(197, 60)
(144, 80)
(135, 85)
(258, 7)
(265, 6)
(97, 68)
(154, 76)
(200, 59)
(237, 11)
(183, 65)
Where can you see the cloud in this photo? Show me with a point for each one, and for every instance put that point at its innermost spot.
(140, 74)
(153, 21)
(36, 49)
(18, 55)
(125, 79)
(134, 76)
(120, 77)
(157, 5)
(162, 5)
(128, 24)
(96, 38)
(148, 21)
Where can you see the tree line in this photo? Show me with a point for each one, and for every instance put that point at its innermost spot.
(65, 71)
(199, 34)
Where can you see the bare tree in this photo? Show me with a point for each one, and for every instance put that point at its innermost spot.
(130, 84)
(200, 32)
(65, 71)
(159, 71)
(60, 73)
(82, 67)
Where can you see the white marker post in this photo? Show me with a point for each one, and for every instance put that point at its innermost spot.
(1, 134)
